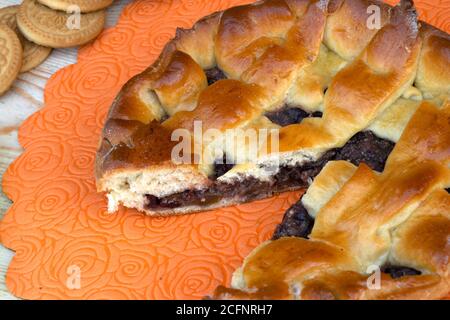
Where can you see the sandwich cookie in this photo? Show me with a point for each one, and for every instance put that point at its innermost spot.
(58, 29)
(33, 54)
(10, 57)
(83, 5)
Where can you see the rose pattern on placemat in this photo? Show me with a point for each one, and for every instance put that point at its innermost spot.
(58, 221)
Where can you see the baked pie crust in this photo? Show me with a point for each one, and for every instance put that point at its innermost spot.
(277, 56)
(365, 221)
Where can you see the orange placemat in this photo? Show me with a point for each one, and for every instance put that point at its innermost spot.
(66, 244)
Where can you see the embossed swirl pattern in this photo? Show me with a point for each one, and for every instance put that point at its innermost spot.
(9, 20)
(4, 53)
(59, 222)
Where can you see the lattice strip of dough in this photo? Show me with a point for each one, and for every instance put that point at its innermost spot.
(266, 72)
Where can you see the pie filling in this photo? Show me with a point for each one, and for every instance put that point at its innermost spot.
(298, 223)
(399, 271)
(363, 147)
(214, 75)
(290, 115)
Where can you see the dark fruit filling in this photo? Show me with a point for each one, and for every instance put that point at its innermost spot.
(221, 167)
(214, 75)
(399, 271)
(296, 223)
(363, 147)
(368, 148)
(290, 115)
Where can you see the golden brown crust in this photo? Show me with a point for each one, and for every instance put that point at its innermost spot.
(346, 32)
(148, 144)
(212, 108)
(317, 53)
(433, 75)
(353, 286)
(401, 216)
(423, 239)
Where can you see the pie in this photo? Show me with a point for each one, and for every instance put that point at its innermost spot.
(354, 224)
(313, 72)
(346, 98)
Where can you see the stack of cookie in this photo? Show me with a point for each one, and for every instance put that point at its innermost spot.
(29, 31)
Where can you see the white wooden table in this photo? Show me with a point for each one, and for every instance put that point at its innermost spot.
(24, 98)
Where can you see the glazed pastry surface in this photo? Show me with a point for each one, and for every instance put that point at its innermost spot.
(316, 65)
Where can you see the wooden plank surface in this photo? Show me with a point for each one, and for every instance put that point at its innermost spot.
(24, 98)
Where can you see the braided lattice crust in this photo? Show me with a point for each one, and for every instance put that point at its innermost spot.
(364, 219)
(319, 56)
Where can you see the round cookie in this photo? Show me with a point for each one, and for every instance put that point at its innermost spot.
(8, 16)
(57, 29)
(10, 57)
(33, 54)
(84, 5)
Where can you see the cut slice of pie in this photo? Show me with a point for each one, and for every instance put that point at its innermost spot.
(360, 234)
(255, 100)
